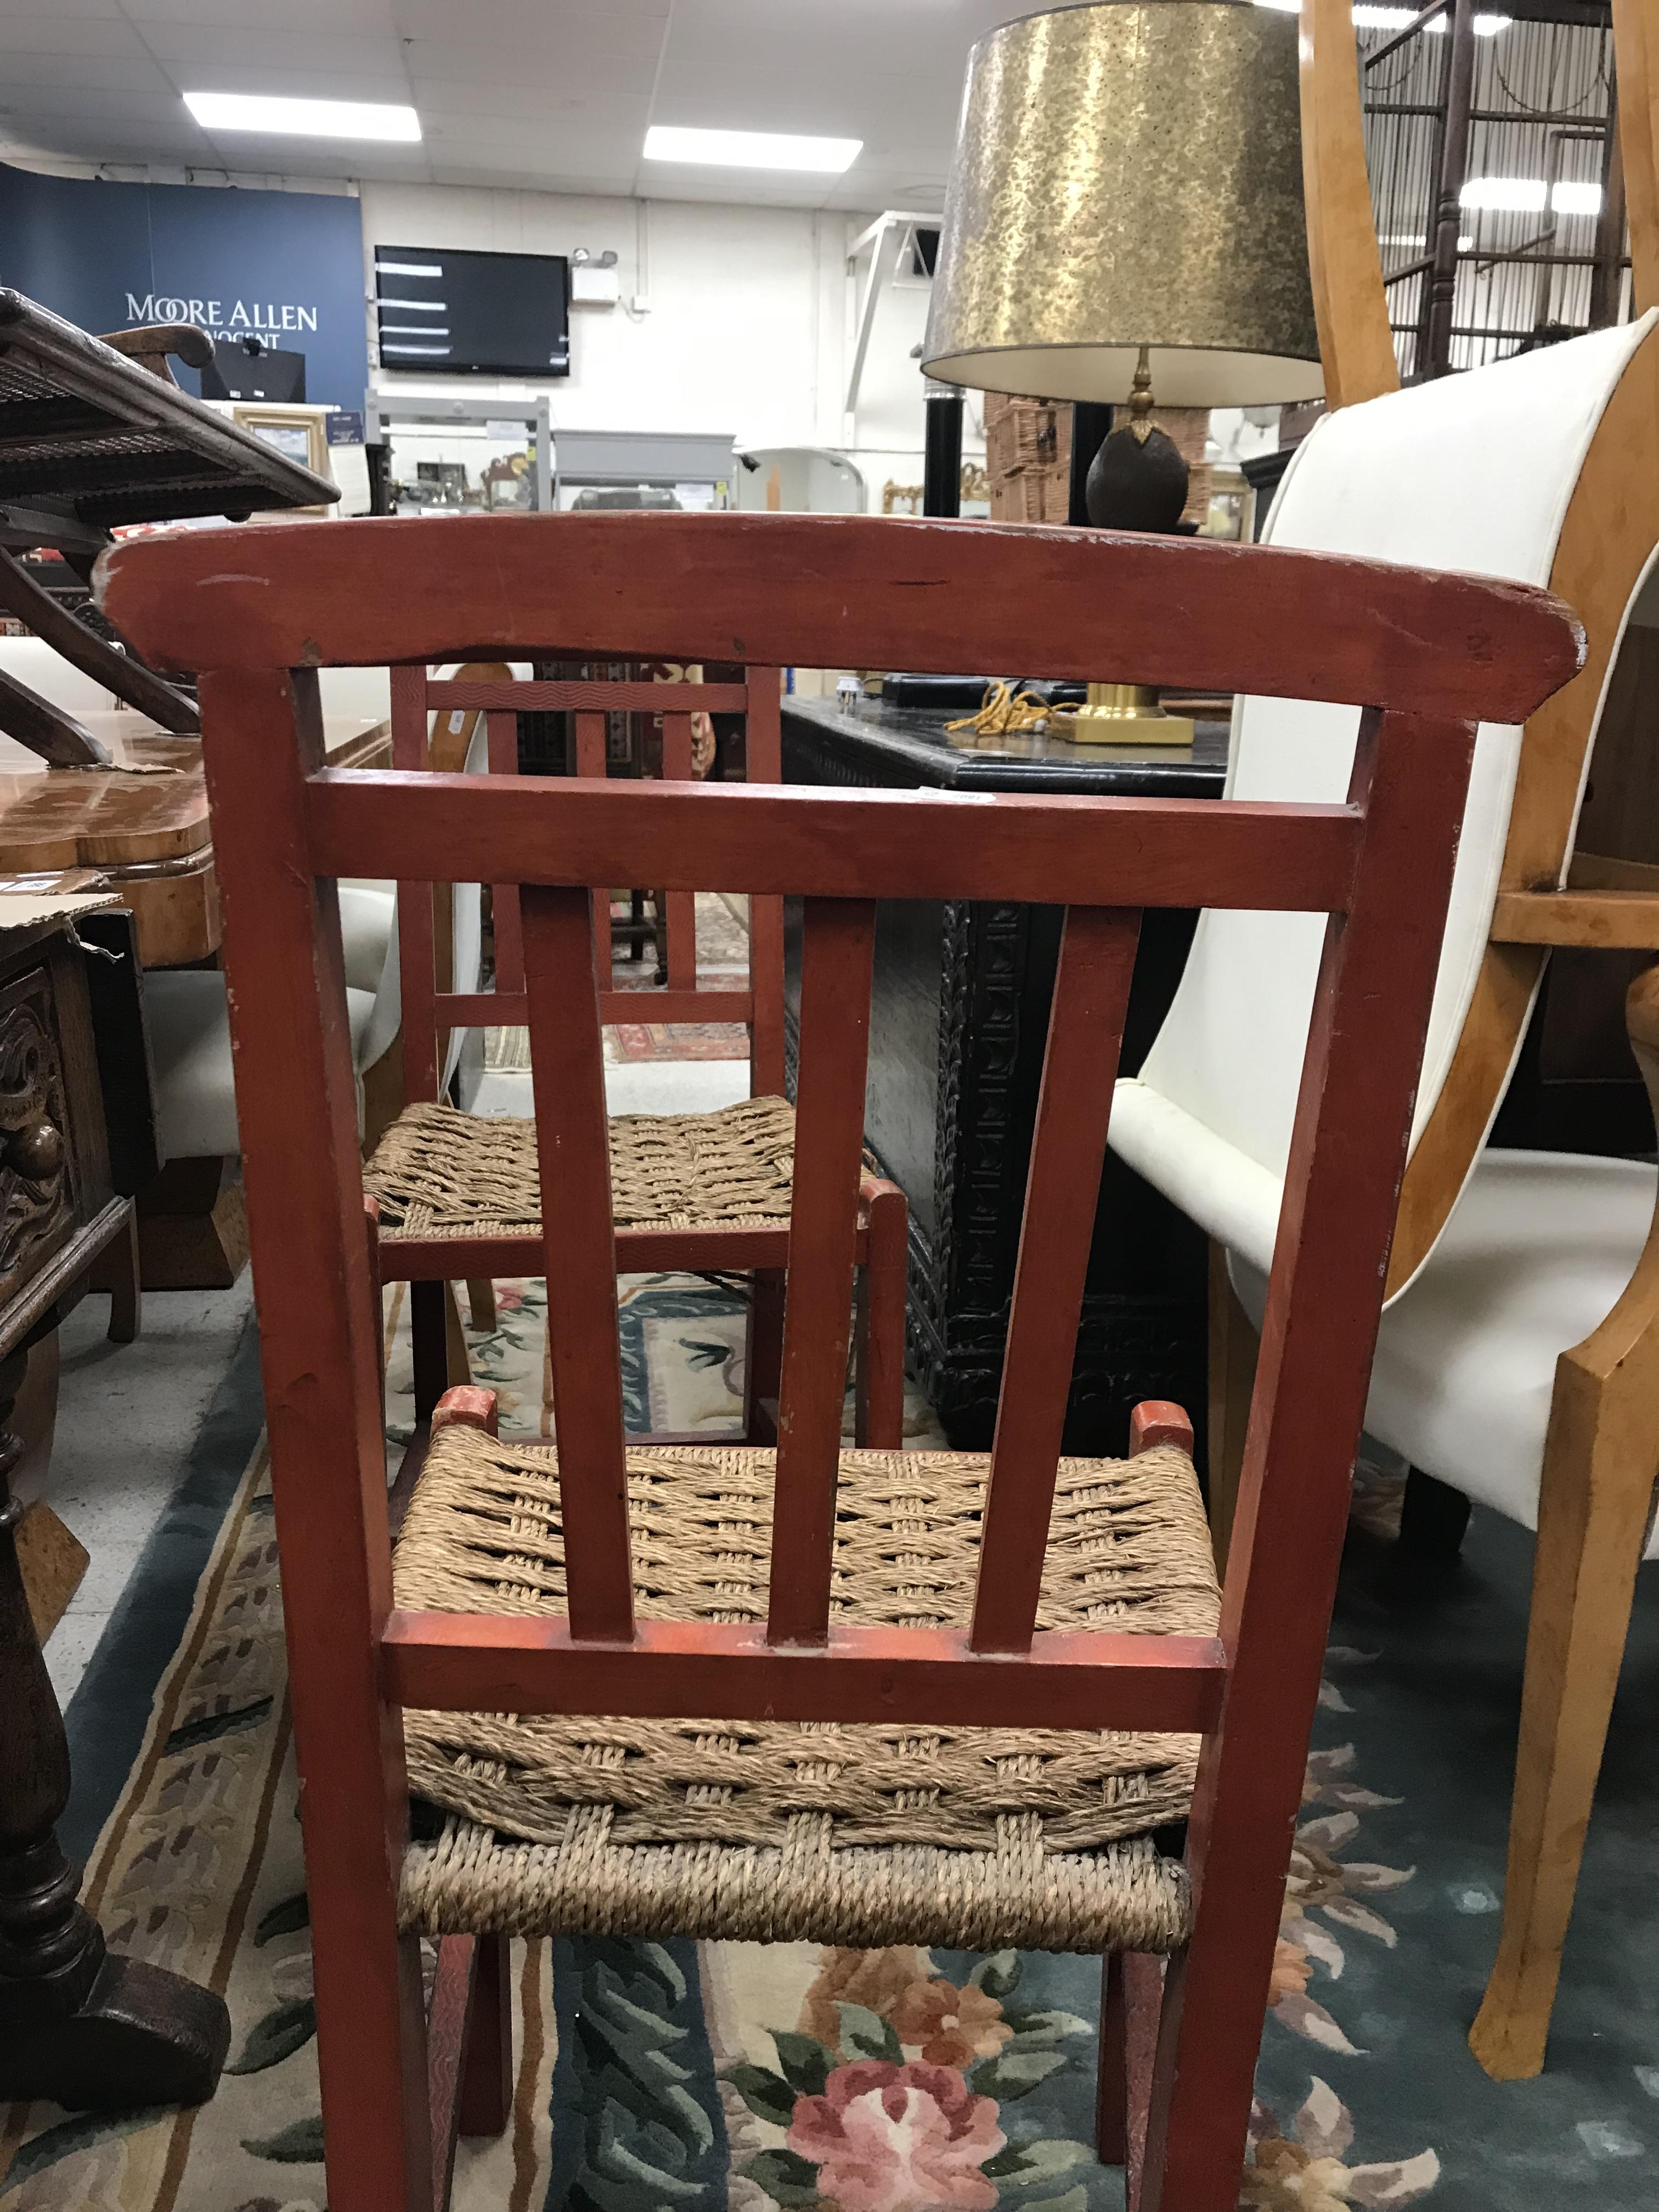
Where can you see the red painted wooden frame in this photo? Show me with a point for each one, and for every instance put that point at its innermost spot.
(1424, 654)
(882, 1244)
(428, 1014)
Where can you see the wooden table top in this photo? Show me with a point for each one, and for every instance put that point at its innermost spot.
(116, 818)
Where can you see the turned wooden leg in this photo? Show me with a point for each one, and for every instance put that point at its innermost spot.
(763, 1361)
(1590, 1536)
(1233, 1347)
(77, 2026)
(481, 1304)
(125, 1287)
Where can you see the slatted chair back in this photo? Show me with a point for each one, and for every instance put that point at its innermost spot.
(448, 703)
(1424, 655)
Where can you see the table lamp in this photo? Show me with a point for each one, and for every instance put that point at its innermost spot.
(1124, 223)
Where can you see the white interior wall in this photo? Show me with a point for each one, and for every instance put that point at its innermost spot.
(750, 326)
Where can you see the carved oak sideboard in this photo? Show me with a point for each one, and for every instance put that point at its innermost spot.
(958, 1020)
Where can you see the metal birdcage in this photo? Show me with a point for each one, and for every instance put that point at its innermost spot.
(1491, 144)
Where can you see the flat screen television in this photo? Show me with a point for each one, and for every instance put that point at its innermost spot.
(488, 313)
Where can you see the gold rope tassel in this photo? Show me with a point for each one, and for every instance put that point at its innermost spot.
(1002, 714)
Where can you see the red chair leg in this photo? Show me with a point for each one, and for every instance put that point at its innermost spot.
(763, 1362)
(1131, 2002)
(1215, 2002)
(486, 2091)
(1112, 2079)
(879, 1382)
(428, 1336)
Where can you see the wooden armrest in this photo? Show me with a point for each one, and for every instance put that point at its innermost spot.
(1621, 920)
(151, 344)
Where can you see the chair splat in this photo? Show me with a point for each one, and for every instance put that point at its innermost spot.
(1079, 1067)
(573, 1149)
(837, 964)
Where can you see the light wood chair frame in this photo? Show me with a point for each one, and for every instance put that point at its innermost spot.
(1603, 1449)
(1424, 655)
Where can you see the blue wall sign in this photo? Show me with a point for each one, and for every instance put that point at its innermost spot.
(287, 267)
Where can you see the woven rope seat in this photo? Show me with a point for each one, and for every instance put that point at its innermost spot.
(438, 1172)
(776, 1832)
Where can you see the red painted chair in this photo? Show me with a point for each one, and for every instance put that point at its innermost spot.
(1049, 1626)
(458, 1193)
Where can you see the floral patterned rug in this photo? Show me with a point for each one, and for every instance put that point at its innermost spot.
(703, 2076)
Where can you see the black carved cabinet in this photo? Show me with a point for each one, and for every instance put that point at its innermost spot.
(958, 1020)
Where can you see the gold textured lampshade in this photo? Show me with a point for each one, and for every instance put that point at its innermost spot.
(1125, 175)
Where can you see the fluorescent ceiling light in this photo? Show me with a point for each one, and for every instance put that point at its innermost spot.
(301, 119)
(752, 150)
(1525, 196)
(1516, 195)
(1368, 17)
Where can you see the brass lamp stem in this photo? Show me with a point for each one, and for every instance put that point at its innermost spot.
(1141, 425)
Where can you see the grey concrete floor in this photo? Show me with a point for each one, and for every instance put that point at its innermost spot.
(127, 1414)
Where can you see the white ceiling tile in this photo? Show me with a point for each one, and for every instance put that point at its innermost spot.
(65, 35)
(557, 54)
(552, 95)
(213, 46)
(25, 76)
(89, 11)
(119, 105)
(619, 108)
(298, 18)
(519, 20)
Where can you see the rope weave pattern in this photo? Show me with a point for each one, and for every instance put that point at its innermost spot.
(438, 1172)
(858, 1833)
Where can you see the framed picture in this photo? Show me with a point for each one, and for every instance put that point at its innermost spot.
(1232, 508)
(297, 433)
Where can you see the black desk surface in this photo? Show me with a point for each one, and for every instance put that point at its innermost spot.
(911, 745)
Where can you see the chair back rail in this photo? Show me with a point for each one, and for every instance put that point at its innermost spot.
(415, 694)
(810, 842)
(814, 591)
(1434, 652)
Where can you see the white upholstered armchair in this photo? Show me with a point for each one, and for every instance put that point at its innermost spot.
(1518, 1360)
